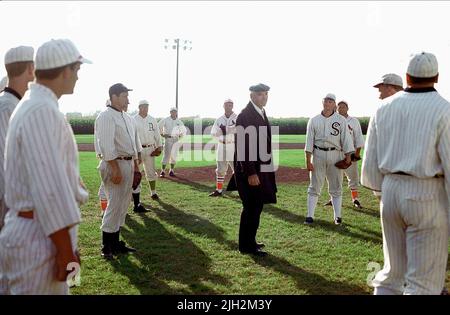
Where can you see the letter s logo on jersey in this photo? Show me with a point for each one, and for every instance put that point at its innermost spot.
(335, 126)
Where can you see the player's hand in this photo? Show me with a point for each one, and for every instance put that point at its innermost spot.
(348, 159)
(310, 166)
(62, 261)
(253, 180)
(116, 177)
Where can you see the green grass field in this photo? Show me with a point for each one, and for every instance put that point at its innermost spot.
(188, 243)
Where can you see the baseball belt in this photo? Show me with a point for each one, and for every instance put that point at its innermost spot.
(27, 214)
(126, 158)
(324, 149)
(406, 174)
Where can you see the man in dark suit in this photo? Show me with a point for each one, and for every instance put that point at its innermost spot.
(254, 170)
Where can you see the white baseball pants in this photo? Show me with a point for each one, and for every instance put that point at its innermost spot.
(171, 147)
(324, 168)
(414, 219)
(119, 196)
(27, 258)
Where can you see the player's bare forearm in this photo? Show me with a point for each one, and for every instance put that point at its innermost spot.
(64, 253)
(358, 152)
(116, 175)
(309, 165)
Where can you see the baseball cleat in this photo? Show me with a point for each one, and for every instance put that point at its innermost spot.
(309, 220)
(122, 248)
(215, 193)
(140, 209)
(329, 203)
(155, 197)
(107, 253)
(163, 174)
(171, 173)
(357, 204)
(338, 221)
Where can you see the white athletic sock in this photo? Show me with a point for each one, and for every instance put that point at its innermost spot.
(153, 192)
(312, 203)
(337, 206)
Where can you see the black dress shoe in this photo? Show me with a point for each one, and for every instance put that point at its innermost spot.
(140, 209)
(260, 245)
(309, 220)
(155, 197)
(215, 193)
(122, 248)
(107, 253)
(257, 252)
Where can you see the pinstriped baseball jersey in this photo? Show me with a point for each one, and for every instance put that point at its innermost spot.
(355, 131)
(329, 132)
(172, 127)
(8, 102)
(41, 168)
(229, 123)
(116, 135)
(148, 130)
(411, 134)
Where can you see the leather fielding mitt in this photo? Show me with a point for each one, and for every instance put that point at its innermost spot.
(354, 158)
(156, 152)
(136, 179)
(342, 164)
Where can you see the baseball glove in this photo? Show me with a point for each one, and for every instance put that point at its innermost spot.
(342, 164)
(156, 152)
(354, 158)
(136, 179)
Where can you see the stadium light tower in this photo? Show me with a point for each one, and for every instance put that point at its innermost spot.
(177, 45)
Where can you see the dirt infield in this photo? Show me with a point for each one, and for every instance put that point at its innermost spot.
(89, 147)
(207, 174)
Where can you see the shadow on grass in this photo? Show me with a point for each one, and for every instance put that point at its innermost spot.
(312, 283)
(289, 216)
(192, 223)
(367, 211)
(318, 224)
(164, 257)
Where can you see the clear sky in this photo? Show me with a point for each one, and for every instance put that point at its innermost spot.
(302, 50)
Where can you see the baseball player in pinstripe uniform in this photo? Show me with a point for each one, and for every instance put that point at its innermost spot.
(119, 144)
(410, 167)
(358, 142)
(19, 66)
(38, 244)
(101, 190)
(388, 85)
(148, 132)
(172, 129)
(223, 130)
(3, 83)
(328, 140)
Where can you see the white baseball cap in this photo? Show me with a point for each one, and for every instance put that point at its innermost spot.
(228, 100)
(331, 96)
(57, 53)
(3, 83)
(423, 65)
(19, 54)
(143, 102)
(173, 109)
(391, 79)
